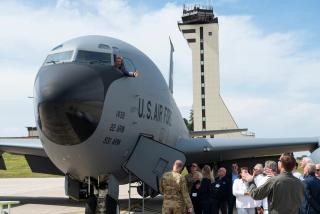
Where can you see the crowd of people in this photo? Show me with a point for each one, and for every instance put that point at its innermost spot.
(272, 187)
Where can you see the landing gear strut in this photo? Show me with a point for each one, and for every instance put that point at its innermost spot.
(101, 204)
(101, 194)
(104, 199)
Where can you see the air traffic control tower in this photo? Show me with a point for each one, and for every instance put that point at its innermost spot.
(200, 28)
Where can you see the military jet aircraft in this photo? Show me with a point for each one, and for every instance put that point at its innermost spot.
(97, 126)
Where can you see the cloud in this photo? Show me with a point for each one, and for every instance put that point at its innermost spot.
(226, 1)
(269, 81)
(264, 63)
(265, 76)
(275, 117)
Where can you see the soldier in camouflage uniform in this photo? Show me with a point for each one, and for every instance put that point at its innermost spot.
(173, 187)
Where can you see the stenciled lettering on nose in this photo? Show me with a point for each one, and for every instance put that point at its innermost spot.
(151, 110)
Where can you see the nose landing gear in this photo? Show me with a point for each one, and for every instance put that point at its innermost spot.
(104, 199)
(102, 204)
(101, 195)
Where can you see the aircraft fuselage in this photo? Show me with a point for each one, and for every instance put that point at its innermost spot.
(90, 116)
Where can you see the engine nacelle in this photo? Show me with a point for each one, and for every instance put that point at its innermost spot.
(315, 155)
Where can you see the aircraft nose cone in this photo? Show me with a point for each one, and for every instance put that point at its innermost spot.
(68, 102)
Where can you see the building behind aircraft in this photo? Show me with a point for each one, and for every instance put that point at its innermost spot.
(200, 28)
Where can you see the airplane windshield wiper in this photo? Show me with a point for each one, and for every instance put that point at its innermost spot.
(52, 61)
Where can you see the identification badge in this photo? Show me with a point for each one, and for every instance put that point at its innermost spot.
(217, 185)
(194, 194)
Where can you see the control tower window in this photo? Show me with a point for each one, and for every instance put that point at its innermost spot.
(93, 57)
(59, 57)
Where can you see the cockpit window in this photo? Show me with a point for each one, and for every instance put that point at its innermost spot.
(59, 57)
(128, 65)
(104, 46)
(93, 57)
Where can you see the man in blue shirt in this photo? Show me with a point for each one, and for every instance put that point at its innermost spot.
(311, 203)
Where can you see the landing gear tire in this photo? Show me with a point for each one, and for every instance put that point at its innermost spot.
(91, 205)
(112, 206)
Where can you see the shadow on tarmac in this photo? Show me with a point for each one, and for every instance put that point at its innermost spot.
(152, 205)
(57, 201)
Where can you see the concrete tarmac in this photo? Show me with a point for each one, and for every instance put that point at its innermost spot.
(46, 196)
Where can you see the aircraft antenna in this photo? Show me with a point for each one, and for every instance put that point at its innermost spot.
(171, 67)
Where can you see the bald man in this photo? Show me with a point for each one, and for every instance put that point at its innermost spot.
(221, 188)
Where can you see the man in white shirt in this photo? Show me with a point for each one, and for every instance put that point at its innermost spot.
(270, 170)
(258, 174)
(296, 173)
(304, 162)
(258, 180)
(244, 203)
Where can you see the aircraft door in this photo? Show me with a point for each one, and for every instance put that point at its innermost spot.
(150, 159)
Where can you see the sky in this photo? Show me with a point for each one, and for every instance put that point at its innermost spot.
(269, 55)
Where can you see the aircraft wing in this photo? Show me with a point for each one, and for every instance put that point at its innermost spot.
(205, 150)
(33, 151)
(22, 146)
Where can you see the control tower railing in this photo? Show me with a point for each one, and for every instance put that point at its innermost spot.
(193, 14)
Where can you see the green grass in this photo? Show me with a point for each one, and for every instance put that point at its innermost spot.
(17, 167)
(184, 171)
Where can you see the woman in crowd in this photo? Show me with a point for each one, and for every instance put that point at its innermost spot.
(205, 190)
(244, 203)
(195, 190)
